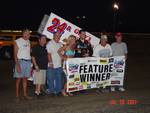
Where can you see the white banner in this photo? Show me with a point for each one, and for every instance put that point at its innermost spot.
(58, 24)
(93, 72)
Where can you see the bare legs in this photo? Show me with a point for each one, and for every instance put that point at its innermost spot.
(24, 84)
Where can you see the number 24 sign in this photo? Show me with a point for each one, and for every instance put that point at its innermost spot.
(58, 27)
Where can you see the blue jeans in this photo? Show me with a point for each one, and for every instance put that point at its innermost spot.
(54, 79)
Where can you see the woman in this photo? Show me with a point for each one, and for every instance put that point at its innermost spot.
(67, 51)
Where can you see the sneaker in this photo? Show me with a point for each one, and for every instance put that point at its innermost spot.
(41, 94)
(49, 92)
(121, 89)
(113, 89)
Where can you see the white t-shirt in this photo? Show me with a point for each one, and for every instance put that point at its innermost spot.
(119, 49)
(52, 48)
(101, 51)
(23, 49)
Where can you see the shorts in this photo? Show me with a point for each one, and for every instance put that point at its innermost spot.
(25, 66)
(39, 77)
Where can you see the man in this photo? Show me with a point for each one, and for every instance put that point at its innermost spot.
(119, 48)
(40, 62)
(103, 50)
(83, 47)
(55, 68)
(22, 62)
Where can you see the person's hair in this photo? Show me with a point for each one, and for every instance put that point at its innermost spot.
(41, 36)
(25, 30)
(70, 38)
(80, 31)
(55, 33)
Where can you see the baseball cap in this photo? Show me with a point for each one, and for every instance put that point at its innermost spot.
(118, 34)
(104, 37)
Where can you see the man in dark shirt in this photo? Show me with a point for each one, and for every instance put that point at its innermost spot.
(83, 47)
(40, 63)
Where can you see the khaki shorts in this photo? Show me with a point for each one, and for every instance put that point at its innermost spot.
(39, 77)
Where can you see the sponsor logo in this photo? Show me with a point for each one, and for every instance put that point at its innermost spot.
(115, 82)
(71, 84)
(82, 64)
(71, 76)
(77, 83)
(119, 70)
(73, 89)
(98, 85)
(103, 61)
(88, 86)
(92, 60)
(77, 79)
(119, 64)
(81, 87)
(73, 67)
(111, 60)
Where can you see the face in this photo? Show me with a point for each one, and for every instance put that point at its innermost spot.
(42, 41)
(118, 38)
(103, 42)
(82, 35)
(26, 35)
(73, 40)
(57, 37)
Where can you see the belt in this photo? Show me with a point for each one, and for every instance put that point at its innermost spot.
(25, 59)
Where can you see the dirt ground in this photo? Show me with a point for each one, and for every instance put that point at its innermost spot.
(137, 85)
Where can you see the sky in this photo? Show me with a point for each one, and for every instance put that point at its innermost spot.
(133, 15)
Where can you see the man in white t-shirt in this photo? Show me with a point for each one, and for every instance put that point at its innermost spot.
(119, 48)
(22, 63)
(55, 68)
(103, 49)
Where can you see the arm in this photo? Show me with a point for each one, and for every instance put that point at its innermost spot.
(15, 58)
(49, 51)
(50, 63)
(95, 52)
(33, 54)
(35, 64)
(111, 52)
(125, 51)
(60, 50)
(90, 49)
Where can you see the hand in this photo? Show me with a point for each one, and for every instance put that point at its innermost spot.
(64, 57)
(18, 68)
(50, 65)
(37, 68)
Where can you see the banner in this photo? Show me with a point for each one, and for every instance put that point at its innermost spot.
(54, 23)
(93, 72)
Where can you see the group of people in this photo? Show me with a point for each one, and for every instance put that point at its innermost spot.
(49, 59)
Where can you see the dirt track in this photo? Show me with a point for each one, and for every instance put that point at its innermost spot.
(137, 85)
